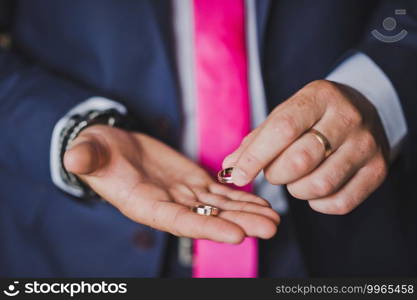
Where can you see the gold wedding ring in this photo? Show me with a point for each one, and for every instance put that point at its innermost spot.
(205, 210)
(323, 140)
(225, 175)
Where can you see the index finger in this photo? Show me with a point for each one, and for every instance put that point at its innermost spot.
(283, 126)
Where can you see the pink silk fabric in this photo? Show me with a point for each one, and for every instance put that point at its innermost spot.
(223, 114)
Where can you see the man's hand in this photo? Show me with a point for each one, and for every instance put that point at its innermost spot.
(288, 154)
(154, 185)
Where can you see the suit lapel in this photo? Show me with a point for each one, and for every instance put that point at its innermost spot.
(262, 13)
(162, 11)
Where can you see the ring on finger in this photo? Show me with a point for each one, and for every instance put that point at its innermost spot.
(323, 140)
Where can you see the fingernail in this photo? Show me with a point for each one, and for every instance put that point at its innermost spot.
(239, 177)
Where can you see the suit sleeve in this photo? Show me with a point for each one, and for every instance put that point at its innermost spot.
(32, 100)
(398, 60)
(361, 73)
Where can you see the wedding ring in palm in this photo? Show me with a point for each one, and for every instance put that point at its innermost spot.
(205, 210)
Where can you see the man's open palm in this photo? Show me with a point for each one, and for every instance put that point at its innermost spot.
(153, 184)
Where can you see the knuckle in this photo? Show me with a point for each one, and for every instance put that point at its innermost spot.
(325, 89)
(349, 117)
(380, 170)
(314, 83)
(323, 186)
(301, 100)
(355, 115)
(285, 126)
(319, 84)
(301, 161)
(368, 143)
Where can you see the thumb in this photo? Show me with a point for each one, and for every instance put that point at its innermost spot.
(85, 156)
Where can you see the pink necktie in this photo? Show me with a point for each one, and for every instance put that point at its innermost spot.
(223, 115)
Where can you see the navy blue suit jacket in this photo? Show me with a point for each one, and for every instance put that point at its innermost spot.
(64, 52)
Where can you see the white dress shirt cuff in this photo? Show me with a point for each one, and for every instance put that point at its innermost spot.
(361, 73)
(94, 103)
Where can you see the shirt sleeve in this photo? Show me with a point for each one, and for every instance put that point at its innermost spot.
(93, 103)
(360, 72)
